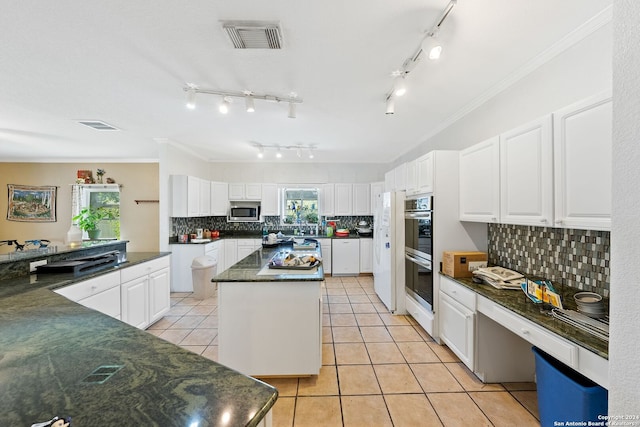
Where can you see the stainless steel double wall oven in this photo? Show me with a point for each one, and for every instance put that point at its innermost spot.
(418, 224)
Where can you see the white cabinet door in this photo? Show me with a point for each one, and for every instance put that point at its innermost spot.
(219, 198)
(230, 252)
(204, 199)
(376, 188)
(400, 173)
(159, 294)
(424, 174)
(366, 255)
(582, 164)
(193, 196)
(135, 302)
(480, 181)
(411, 185)
(325, 246)
(526, 174)
(101, 293)
(345, 257)
(107, 302)
(362, 199)
(236, 191)
(390, 181)
(190, 196)
(222, 262)
(269, 205)
(328, 197)
(457, 328)
(253, 191)
(343, 199)
(244, 250)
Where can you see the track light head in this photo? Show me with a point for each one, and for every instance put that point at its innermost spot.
(391, 105)
(311, 155)
(249, 104)
(432, 47)
(399, 86)
(191, 99)
(224, 105)
(292, 110)
(279, 154)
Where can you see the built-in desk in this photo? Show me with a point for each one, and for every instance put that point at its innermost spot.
(492, 331)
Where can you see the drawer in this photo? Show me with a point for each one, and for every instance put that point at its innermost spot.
(547, 341)
(90, 287)
(458, 292)
(212, 246)
(139, 270)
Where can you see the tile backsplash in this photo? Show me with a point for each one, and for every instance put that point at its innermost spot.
(575, 258)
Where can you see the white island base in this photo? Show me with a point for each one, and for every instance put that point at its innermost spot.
(270, 328)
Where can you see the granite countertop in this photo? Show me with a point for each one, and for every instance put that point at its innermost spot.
(54, 250)
(247, 269)
(518, 302)
(50, 347)
(174, 240)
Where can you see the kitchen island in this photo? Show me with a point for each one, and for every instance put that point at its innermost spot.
(270, 320)
(59, 358)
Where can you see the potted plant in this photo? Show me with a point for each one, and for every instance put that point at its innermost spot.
(89, 218)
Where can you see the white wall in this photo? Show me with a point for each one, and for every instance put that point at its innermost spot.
(305, 172)
(576, 73)
(624, 344)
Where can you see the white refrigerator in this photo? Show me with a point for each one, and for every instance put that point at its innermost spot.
(388, 251)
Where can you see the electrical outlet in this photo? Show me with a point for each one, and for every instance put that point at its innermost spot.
(34, 264)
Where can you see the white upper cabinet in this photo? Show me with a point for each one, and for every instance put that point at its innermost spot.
(376, 188)
(190, 196)
(362, 199)
(582, 164)
(480, 181)
(526, 174)
(343, 200)
(245, 191)
(411, 174)
(390, 181)
(327, 207)
(400, 174)
(269, 205)
(424, 174)
(219, 198)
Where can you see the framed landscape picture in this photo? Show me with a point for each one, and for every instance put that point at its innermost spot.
(31, 204)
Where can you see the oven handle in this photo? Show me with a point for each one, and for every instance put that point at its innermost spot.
(419, 261)
(418, 215)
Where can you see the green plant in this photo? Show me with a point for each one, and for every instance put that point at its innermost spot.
(89, 218)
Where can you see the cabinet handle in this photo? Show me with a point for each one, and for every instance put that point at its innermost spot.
(454, 291)
(93, 288)
(524, 331)
(558, 221)
(543, 220)
(494, 219)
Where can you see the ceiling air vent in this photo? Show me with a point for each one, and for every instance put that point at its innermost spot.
(253, 34)
(97, 125)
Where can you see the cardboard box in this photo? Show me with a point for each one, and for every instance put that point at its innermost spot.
(461, 264)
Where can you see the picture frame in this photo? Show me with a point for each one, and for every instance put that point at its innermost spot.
(29, 203)
(86, 175)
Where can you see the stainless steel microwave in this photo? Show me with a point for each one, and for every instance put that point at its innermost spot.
(244, 211)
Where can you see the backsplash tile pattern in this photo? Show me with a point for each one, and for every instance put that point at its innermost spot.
(577, 258)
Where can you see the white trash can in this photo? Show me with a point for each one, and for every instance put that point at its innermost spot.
(203, 268)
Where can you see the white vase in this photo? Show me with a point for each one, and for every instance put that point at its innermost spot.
(74, 236)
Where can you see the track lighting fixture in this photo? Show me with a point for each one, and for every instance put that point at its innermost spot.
(429, 47)
(248, 96)
(299, 149)
(224, 105)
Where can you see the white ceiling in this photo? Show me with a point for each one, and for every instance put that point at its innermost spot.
(126, 63)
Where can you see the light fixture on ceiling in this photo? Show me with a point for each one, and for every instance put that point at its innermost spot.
(299, 149)
(249, 104)
(429, 45)
(224, 105)
(248, 96)
(391, 105)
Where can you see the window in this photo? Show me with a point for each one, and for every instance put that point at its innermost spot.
(105, 196)
(300, 206)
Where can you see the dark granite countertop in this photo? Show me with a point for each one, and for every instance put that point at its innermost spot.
(54, 250)
(49, 347)
(518, 302)
(247, 269)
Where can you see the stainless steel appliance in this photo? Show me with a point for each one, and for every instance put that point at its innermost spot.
(244, 211)
(418, 225)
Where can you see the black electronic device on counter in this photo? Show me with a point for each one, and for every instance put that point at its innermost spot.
(83, 265)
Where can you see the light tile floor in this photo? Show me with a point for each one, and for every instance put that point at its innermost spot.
(377, 369)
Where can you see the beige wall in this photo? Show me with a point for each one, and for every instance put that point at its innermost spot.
(138, 224)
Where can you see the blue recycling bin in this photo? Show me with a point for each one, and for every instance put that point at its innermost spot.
(565, 395)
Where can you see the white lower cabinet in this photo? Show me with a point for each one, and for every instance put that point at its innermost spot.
(457, 320)
(182, 257)
(246, 247)
(325, 246)
(145, 292)
(230, 252)
(345, 257)
(366, 255)
(101, 293)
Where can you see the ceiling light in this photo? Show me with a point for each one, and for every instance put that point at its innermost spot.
(390, 105)
(399, 86)
(292, 110)
(191, 98)
(278, 154)
(224, 105)
(248, 101)
(311, 156)
(298, 153)
(432, 47)
(260, 151)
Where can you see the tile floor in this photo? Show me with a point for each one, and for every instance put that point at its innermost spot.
(378, 369)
